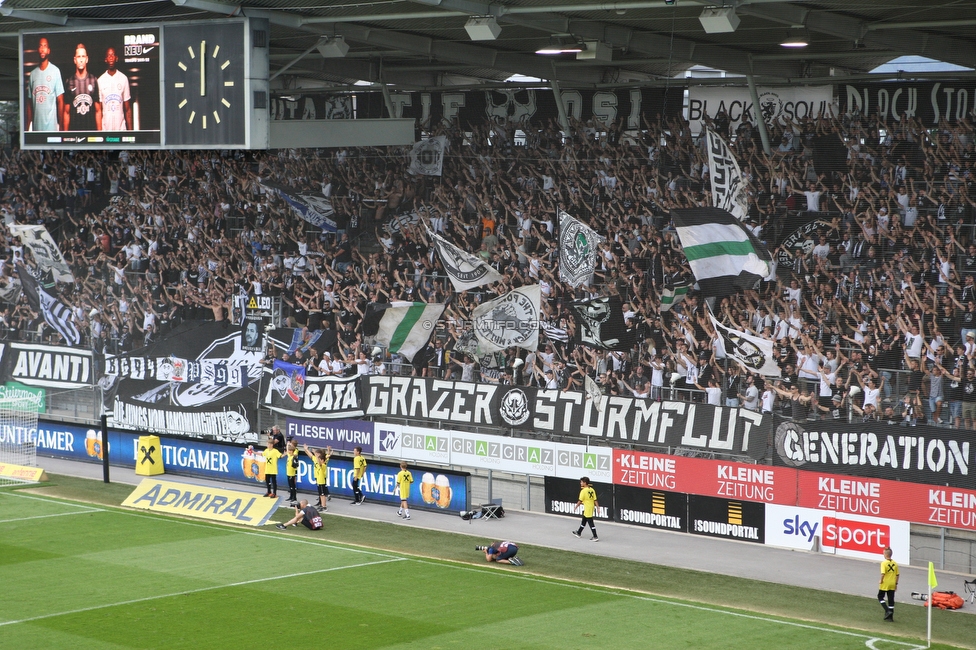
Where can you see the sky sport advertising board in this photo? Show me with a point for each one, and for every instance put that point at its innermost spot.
(838, 533)
(93, 88)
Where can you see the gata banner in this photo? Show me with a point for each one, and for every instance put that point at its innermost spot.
(222, 412)
(562, 495)
(921, 454)
(47, 366)
(626, 420)
(928, 101)
(311, 397)
(517, 105)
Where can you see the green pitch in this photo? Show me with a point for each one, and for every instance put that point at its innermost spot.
(88, 576)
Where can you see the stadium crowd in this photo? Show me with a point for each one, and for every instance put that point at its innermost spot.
(877, 318)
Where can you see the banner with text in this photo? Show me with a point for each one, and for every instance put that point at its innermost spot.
(562, 494)
(47, 366)
(893, 101)
(740, 520)
(775, 104)
(838, 533)
(312, 397)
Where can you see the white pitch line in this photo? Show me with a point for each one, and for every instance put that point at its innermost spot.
(51, 500)
(194, 591)
(661, 601)
(60, 514)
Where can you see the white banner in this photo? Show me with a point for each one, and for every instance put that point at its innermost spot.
(510, 321)
(777, 104)
(485, 451)
(838, 533)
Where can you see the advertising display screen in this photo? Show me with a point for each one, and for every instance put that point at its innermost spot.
(97, 88)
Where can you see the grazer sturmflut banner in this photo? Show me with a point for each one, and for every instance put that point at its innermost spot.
(216, 412)
(625, 420)
(920, 454)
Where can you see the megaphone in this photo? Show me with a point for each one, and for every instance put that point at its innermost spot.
(855, 390)
(376, 351)
(518, 363)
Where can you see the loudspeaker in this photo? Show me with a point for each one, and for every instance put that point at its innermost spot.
(719, 20)
(482, 28)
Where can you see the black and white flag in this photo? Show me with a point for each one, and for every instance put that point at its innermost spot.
(465, 270)
(728, 187)
(751, 352)
(316, 209)
(55, 312)
(600, 323)
(577, 250)
(510, 321)
(46, 253)
(427, 156)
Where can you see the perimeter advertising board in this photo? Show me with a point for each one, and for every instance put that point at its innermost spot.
(562, 495)
(839, 533)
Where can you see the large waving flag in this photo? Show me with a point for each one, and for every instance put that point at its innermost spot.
(751, 352)
(427, 156)
(465, 270)
(46, 253)
(577, 250)
(316, 209)
(724, 255)
(510, 321)
(55, 312)
(404, 327)
(728, 187)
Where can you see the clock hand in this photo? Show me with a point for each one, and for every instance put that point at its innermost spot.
(203, 68)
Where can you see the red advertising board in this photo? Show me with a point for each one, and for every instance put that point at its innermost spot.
(923, 504)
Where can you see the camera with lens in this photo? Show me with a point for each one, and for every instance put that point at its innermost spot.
(481, 548)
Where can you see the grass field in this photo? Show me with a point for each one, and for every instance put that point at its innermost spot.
(78, 572)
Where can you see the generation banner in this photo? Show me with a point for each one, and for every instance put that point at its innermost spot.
(474, 106)
(311, 397)
(921, 454)
(775, 104)
(894, 101)
(224, 413)
(562, 495)
(625, 420)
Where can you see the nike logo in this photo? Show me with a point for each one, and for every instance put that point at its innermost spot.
(147, 50)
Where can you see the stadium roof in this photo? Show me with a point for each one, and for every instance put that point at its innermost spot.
(424, 44)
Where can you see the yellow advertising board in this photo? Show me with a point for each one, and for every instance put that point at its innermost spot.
(201, 501)
(22, 473)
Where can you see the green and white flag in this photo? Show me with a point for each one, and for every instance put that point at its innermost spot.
(404, 327)
(724, 255)
(577, 250)
(671, 296)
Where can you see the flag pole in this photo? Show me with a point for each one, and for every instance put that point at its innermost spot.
(932, 583)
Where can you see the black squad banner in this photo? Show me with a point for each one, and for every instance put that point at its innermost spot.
(563, 493)
(741, 520)
(651, 508)
(920, 454)
(50, 366)
(927, 101)
(217, 412)
(627, 420)
(474, 107)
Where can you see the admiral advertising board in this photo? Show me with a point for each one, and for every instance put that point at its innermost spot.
(730, 519)
(838, 533)
(628, 420)
(562, 495)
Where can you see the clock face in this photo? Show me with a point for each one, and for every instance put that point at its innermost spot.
(204, 87)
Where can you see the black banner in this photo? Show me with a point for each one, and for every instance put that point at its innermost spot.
(563, 493)
(50, 366)
(920, 454)
(741, 520)
(626, 420)
(600, 323)
(651, 508)
(928, 101)
(215, 412)
(474, 107)
(799, 235)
